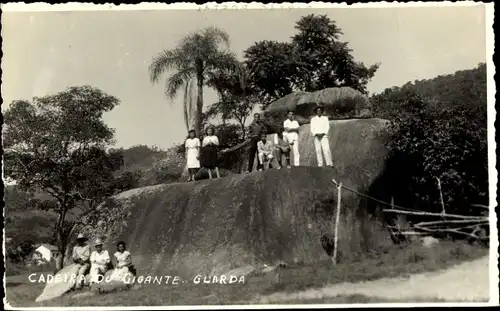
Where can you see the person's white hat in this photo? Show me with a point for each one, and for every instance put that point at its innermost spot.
(98, 242)
(80, 236)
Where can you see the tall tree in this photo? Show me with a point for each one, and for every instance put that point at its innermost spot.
(325, 60)
(57, 144)
(236, 97)
(273, 69)
(196, 56)
(314, 59)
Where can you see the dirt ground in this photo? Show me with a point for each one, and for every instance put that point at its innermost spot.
(466, 282)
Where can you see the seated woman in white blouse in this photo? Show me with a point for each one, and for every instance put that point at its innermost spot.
(99, 260)
(123, 265)
(209, 148)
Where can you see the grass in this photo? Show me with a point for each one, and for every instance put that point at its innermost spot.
(388, 263)
(18, 270)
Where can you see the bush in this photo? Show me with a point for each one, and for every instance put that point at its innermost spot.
(438, 130)
(449, 144)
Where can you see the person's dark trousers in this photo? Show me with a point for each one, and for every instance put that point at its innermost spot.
(251, 152)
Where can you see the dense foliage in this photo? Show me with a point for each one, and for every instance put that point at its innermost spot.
(236, 98)
(439, 131)
(315, 59)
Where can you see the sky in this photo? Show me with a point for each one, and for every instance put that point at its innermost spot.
(45, 52)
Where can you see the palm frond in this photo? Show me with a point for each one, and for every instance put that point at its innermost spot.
(221, 60)
(175, 82)
(216, 35)
(168, 59)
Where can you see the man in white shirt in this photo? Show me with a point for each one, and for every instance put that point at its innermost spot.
(99, 261)
(291, 134)
(320, 125)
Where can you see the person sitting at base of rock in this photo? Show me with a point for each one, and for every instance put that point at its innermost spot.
(99, 261)
(282, 149)
(123, 265)
(81, 257)
(265, 150)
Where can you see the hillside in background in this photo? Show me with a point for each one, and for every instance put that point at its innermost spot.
(462, 88)
(454, 89)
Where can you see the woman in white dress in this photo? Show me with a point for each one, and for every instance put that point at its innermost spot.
(123, 265)
(192, 145)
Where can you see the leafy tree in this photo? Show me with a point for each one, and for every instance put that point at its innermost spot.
(21, 253)
(325, 60)
(56, 144)
(433, 139)
(236, 97)
(273, 68)
(196, 57)
(314, 59)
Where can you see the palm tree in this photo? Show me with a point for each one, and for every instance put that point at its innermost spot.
(196, 57)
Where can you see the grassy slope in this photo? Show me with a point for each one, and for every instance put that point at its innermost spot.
(388, 262)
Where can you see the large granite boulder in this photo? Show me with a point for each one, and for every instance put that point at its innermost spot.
(338, 102)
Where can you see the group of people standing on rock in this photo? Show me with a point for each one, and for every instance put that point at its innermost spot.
(286, 142)
(98, 262)
(269, 153)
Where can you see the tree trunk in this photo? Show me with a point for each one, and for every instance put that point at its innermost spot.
(243, 134)
(199, 105)
(62, 250)
(189, 111)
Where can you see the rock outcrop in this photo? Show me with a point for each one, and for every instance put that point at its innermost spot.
(214, 226)
(338, 102)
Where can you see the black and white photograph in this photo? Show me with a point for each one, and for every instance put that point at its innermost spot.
(249, 155)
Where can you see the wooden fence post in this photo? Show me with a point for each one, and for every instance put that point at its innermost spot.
(337, 219)
(441, 195)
